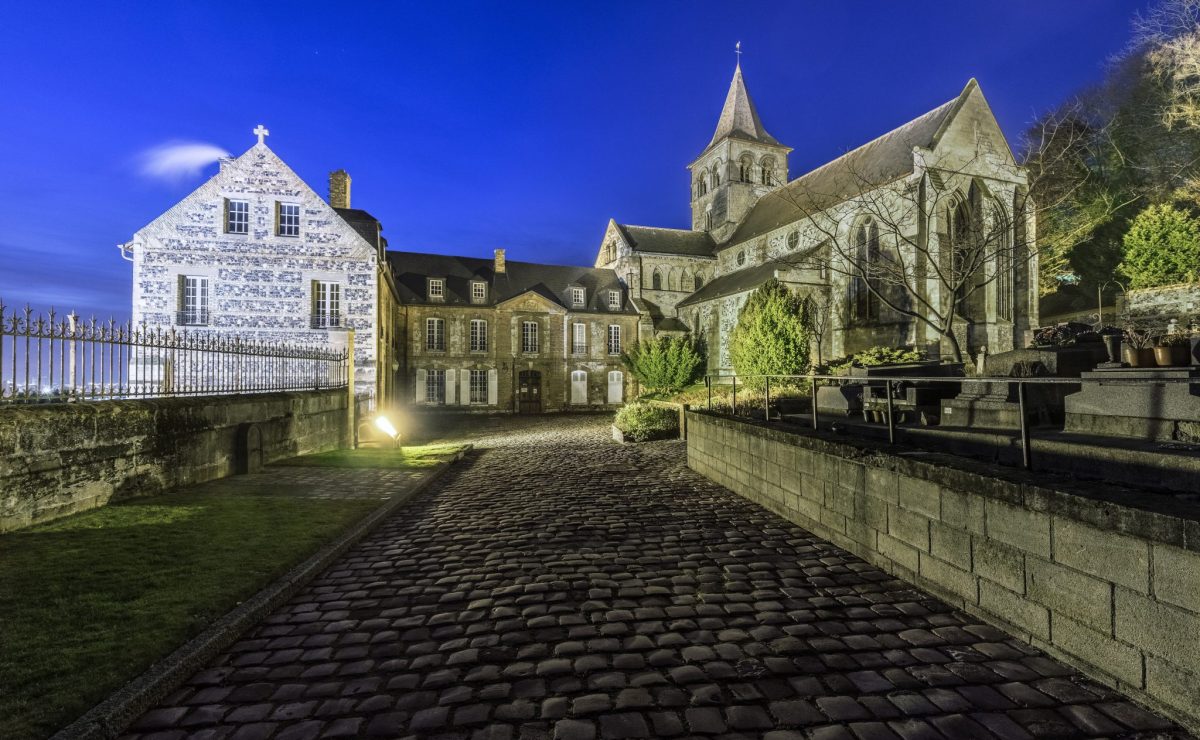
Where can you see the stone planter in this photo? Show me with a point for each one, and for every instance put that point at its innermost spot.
(1171, 356)
(1143, 357)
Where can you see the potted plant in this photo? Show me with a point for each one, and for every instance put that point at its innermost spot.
(1172, 350)
(1139, 347)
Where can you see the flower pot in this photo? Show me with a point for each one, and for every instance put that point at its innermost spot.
(1171, 356)
(1112, 342)
(1139, 357)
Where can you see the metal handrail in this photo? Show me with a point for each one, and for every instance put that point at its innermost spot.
(888, 381)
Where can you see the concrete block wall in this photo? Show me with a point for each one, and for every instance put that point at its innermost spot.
(1111, 588)
(59, 459)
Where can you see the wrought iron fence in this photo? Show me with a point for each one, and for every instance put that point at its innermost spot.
(46, 358)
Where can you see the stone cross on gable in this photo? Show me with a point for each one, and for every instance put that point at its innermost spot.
(262, 133)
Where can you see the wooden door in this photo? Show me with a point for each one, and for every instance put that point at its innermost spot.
(529, 392)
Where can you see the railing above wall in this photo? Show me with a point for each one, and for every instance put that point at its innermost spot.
(48, 358)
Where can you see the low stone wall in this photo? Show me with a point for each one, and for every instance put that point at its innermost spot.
(1110, 588)
(58, 459)
(1180, 302)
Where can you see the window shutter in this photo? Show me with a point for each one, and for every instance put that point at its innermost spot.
(312, 307)
(451, 386)
(493, 390)
(182, 291)
(420, 395)
(464, 389)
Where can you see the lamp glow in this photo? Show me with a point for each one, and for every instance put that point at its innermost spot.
(385, 426)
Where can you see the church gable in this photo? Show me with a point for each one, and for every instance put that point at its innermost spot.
(971, 132)
(613, 245)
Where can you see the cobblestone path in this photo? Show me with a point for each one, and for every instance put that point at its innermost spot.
(557, 585)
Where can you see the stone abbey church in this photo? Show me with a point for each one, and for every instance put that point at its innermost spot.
(255, 252)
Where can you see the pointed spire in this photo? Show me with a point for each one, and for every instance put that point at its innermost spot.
(739, 117)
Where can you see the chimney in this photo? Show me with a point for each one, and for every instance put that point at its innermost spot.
(339, 189)
(498, 267)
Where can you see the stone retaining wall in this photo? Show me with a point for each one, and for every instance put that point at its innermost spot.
(58, 459)
(1112, 589)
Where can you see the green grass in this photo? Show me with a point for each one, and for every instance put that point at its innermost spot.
(90, 601)
(421, 456)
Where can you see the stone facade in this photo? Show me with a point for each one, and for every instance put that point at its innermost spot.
(758, 225)
(1108, 587)
(193, 271)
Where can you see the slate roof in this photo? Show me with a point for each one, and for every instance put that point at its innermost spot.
(668, 241)
(747, 278)
(739, 116)
(367, 226)
(877, 162)
(670, 323)
(411, 269)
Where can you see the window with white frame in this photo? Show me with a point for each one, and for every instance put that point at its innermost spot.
(529, 336)
(578, 339)
(287, 219)
(614, 299)
(614, 339)
(436, 289)
(237, 216)
(435, 386)
(193, 300)
(478, 291)
(326, 304)
(435, 334)
(479, 335)
(577, 296)
(479, 386)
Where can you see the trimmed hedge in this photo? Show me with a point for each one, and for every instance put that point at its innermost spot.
(640, 422)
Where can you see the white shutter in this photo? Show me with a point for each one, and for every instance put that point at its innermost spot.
(464, 391)
(493, 387)
(451, 387)
(616, 386)
(420, 394)
(579, 387)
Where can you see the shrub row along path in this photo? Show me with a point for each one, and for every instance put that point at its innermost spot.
(557, 585)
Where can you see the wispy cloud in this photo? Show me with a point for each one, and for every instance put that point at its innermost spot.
(178, 160)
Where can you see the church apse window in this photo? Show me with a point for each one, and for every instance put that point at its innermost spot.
(287, 219)
(237, 216)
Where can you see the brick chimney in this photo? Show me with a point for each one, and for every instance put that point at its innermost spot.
(339, 189)
(498, 266)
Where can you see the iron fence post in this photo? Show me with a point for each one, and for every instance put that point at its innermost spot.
(767, 401)
(733, 410)
(887, 389)
(708, 385)
(1022, 409)
(813, 380)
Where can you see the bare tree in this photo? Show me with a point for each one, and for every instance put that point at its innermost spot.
(924, 247)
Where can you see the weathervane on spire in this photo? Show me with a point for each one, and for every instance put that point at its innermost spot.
(737, 49)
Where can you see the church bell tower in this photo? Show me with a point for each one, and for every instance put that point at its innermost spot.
(740, 165)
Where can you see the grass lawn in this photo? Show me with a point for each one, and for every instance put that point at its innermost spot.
(417, 456)
(90, 601)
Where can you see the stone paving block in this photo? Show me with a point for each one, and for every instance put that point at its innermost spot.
(560, 585)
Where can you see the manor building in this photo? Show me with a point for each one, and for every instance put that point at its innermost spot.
(255, 252)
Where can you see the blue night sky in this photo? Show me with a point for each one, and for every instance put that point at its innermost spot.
(468, 127)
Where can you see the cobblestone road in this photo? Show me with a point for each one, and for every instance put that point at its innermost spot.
(557, 585)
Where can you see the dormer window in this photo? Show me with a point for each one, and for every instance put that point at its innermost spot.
(614, 300)
(577, 297)
(478, 291)
(436, 289)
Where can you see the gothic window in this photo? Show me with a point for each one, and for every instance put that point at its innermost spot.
(479, 335)
(768, 171)
(436, 289)
(237, 216)
(529, 336)
(193, 300)
(864, 301)
(287, 219)
(699, 282)
(1006, 282)
(478, 384)
(741, 257)
(435, 386)
(579, 339)
(478, 291)
(326, 304)
(614, 339)
(793, 239)
(656, 280)
(708, 220)
(435, 335)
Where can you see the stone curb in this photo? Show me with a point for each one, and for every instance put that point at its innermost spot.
(112, 716)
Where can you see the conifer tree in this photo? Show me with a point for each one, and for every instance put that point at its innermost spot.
(771, 336)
